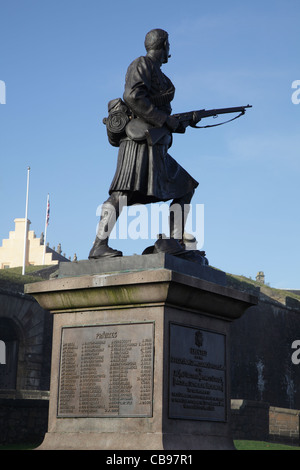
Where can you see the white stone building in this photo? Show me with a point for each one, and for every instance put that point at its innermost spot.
(12, 249)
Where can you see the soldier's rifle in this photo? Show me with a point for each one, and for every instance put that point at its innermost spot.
(154, 134)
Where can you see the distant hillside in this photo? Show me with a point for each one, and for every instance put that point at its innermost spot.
(283, 296)
(13, 278)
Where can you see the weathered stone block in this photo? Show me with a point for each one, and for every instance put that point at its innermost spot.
(140, 357)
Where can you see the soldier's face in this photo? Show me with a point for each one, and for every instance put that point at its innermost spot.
(166, 54)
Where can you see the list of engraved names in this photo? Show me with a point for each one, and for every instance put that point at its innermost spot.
(106, 371)
(197, 387)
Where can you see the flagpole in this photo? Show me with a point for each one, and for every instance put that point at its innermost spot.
(46, 225)
(26, 224)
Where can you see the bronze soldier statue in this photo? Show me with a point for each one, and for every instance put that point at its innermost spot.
(147, 173)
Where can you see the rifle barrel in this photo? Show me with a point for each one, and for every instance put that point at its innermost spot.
(215, 112)
(202, 113)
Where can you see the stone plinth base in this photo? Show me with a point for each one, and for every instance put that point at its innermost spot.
(140, 359)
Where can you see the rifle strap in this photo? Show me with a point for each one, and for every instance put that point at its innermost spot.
(220, 123)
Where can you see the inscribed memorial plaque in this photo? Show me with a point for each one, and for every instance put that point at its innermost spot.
(106, 371)
(197, 388)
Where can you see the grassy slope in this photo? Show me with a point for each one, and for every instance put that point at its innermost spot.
(15, 274)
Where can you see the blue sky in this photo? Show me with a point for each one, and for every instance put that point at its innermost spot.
(62, 61)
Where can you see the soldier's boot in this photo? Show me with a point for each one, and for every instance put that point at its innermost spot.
(177, 220)
(100, 247)
(173, 245)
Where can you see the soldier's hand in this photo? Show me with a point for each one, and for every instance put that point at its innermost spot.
(172, 123)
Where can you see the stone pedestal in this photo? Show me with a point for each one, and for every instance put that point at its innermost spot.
(140, 355)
